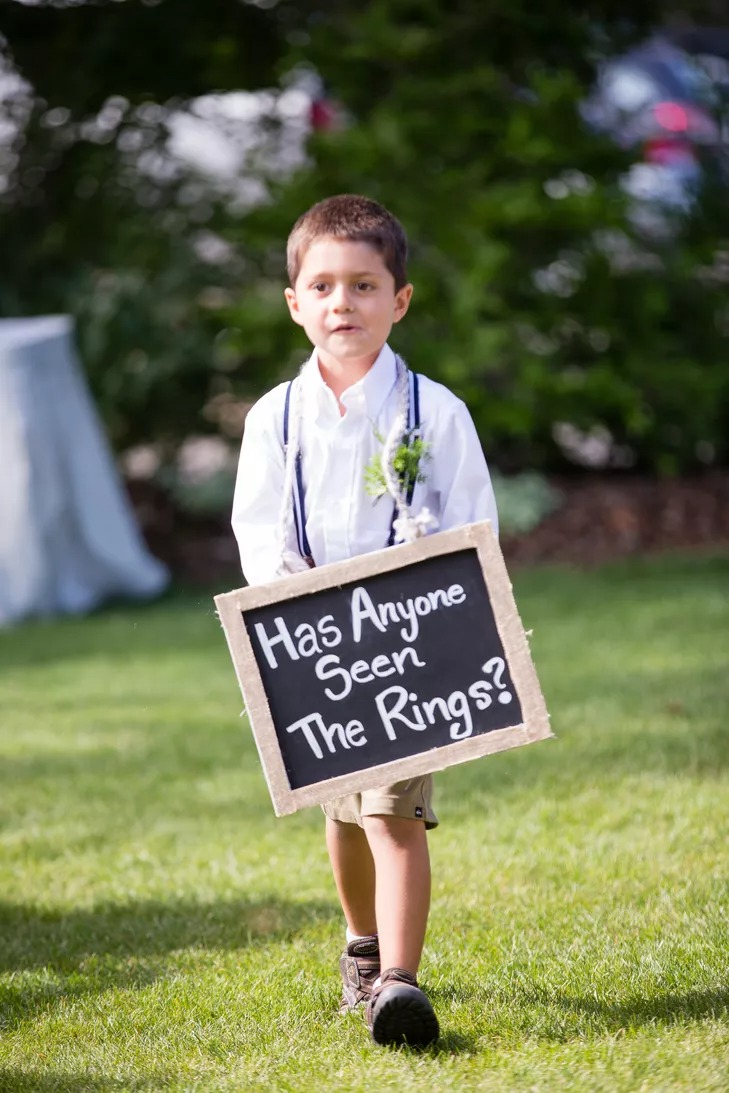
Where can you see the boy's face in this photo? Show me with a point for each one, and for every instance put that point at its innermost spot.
(345, 299)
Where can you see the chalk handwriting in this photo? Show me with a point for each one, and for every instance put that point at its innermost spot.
(399, 708)
(305, 641)
(349, 735)
(397, 705)
(363, 671)
(408, 611)
(497, 665)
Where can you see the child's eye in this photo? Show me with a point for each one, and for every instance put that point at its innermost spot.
(364, 286)
(319, 286)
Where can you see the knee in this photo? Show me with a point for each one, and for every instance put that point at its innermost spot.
(343, 832)
(394, 831)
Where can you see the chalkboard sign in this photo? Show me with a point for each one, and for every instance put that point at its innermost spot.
(384, 667)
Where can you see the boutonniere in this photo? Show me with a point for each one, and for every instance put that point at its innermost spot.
(408, 462)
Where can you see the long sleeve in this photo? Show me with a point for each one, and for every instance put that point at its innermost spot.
(258, 488)
(461, 477)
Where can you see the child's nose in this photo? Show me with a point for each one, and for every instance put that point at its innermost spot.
(341, 299)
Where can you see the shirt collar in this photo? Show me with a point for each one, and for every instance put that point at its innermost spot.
(366, 397)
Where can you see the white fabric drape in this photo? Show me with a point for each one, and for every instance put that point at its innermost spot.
(68, 537)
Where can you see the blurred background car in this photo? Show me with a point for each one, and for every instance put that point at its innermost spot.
(664, 104)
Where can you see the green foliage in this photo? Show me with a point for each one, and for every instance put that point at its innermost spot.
(146, 341)
(208, 496)
(407, 463)
(78, 53)
(522, 501)
(534, 300)
(98, 220)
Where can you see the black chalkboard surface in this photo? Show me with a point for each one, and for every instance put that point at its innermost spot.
(386, 666)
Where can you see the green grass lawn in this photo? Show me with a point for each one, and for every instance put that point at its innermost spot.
(161, 929)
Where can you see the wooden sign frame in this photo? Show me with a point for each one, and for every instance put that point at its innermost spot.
(534, 726)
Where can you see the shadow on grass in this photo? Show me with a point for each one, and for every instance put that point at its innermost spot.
(112, 946)
(692, 1005)
(451, 1042)
(33, 937)
(551, 1016)
(14, 1080)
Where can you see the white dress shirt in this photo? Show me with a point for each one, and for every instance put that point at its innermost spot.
(342, 519)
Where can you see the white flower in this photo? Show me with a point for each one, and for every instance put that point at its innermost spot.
(409, 528)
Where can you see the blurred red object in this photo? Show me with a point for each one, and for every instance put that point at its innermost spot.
(324, 114)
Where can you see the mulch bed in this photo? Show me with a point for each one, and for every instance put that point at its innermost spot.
(606, 517)
(601, 518)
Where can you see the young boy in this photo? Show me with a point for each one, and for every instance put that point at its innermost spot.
(300, 494)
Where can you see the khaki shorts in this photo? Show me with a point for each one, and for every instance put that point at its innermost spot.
(411, 799)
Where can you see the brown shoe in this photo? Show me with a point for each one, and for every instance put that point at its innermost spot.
(360, 966)
(400, 1013)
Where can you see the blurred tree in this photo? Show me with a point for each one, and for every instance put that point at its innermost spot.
(95, 88)
(534, 301)
(101, 214)
(532, 298)
(76, 54)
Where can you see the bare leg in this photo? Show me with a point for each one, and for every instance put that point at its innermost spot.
(354, 875)
(399, 848)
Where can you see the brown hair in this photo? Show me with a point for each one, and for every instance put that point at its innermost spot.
(355, 218)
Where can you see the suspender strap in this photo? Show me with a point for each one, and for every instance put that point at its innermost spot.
(299, 511)
(413, 430)
(286, 416)
(304, 543)
(416, 412)
(299, 507)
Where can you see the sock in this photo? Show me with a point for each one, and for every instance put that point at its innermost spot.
(356, 937)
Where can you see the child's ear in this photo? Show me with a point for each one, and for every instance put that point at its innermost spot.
(293, 306)
(402, 302)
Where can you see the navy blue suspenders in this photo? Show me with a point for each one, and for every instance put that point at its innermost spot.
(299, 507)
(299, 510)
